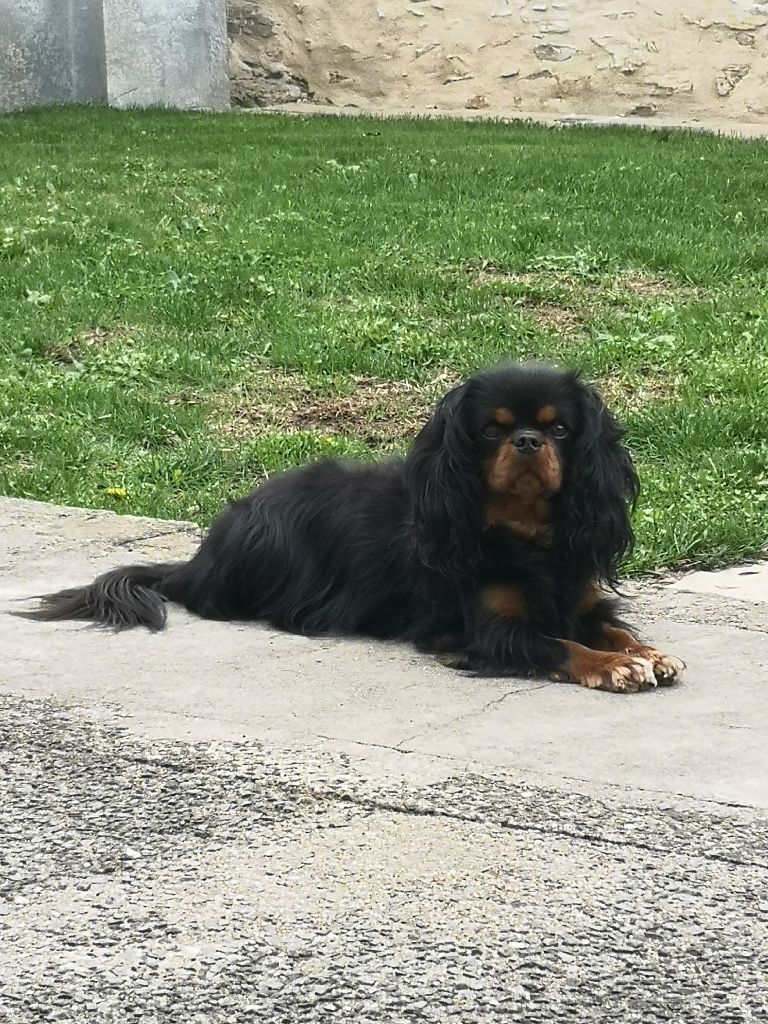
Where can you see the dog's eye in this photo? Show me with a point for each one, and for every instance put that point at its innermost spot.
(493, 433)
(559, 430)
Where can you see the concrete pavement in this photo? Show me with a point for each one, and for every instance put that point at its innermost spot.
(224, 823)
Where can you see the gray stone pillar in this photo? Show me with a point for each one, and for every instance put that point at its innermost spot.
(171, 53)
(51, 51)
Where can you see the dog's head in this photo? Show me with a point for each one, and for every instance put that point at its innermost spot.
(530, 449)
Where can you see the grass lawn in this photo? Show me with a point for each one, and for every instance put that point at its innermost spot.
(189, 302)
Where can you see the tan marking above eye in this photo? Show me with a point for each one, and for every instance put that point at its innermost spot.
(503, 417)
(546, 414)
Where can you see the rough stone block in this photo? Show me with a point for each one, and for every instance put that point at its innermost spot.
(170, 53)
(51, 51)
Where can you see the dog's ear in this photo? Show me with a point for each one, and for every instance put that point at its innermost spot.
(445, 490)
(600, 491)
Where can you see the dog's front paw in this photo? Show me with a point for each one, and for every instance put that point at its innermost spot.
(462, 661)
(667, 669)
(619, 673)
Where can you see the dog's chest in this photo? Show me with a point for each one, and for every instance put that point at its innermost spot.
(527, 521)
(549, 588)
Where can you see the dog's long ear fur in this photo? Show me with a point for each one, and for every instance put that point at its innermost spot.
(445, 490)
(600, 492)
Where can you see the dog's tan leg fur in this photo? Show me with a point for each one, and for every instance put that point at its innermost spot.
(615, 671)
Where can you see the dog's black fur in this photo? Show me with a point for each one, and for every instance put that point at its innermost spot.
(406, 549)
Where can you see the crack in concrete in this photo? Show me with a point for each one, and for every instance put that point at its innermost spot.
(478, 711)
(621, 787)
(370, 743)
(563, 833)
(399, 747)
(153, 536)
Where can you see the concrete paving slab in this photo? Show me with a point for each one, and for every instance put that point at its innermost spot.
(247, 681)
(226, 823)
(748, 582)
(705, 739)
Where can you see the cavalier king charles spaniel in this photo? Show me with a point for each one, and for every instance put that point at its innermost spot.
(493, 544)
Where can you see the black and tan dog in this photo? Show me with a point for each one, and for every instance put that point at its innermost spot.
(493, 543)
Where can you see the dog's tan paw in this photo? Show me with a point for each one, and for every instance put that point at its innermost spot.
(667, 669)
(620, 673)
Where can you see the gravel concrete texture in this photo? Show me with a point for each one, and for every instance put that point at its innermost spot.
(223, 823)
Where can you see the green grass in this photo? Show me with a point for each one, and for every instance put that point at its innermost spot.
(204, 247)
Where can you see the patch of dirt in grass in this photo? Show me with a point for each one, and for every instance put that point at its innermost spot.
(551, 308)
(485, 271)
(648, 286)
(552, 316)
(579, 295)
(76, 349)
(376, 411)
(645, 387)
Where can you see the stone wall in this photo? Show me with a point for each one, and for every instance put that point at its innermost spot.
(51, 51)
(617, 57)
(257, 48)
(647, 58)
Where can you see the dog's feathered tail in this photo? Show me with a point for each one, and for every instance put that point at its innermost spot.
(122, 598)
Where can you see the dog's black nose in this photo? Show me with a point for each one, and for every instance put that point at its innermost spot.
(527, 442)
